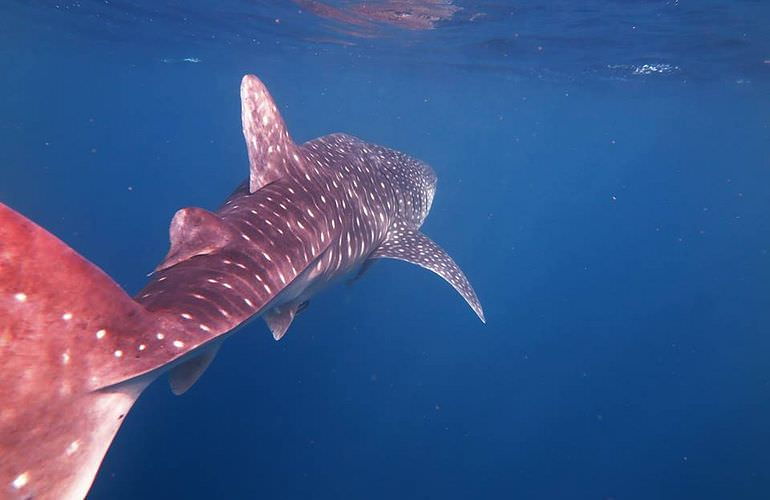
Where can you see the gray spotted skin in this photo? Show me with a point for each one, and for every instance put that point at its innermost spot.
(306, 216)
(406, 244)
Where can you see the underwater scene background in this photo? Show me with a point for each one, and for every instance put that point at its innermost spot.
(603, 181)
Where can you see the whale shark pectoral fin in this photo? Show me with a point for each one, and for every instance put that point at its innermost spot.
(268, 142)
(412, 246)
(195, 231)
(184, 376)
(279, 319)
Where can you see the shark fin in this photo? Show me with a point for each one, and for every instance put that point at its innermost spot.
(412, 246)
(279, 319)
(195, 231)
(268, 142)
(184, 375)
(65, 383)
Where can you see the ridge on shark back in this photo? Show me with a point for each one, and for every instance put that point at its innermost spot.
(76, 351)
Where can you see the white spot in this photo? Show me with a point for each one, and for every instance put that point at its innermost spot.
(178, 343)
(73, 447)
(159, 336)
(248, 302)
(186, 316)
(227, 285)
(21, 480)
(205, 328)
(118, 353)
(100, 334)
(20, 297)
(142, 347)
(65, 358)
(66, 316)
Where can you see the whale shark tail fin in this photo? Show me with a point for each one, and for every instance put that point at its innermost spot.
(68, 374)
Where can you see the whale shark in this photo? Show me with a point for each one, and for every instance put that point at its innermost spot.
(76, 351)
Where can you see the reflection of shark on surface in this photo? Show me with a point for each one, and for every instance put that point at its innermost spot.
(76, 351)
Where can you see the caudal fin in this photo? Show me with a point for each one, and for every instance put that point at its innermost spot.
(67, 377)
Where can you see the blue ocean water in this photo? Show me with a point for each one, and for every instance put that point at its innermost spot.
(603, 181)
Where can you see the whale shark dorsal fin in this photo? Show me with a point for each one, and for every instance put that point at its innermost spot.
(410, 245)
(268, 142)
(195, 231)
(184, 375)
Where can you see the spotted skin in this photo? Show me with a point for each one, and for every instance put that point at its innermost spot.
(76, 351)
(406, 244)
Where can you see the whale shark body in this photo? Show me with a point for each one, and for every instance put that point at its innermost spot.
(76, 351)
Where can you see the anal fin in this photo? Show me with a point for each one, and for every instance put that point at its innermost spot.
(184, 375)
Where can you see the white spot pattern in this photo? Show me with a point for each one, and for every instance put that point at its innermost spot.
(326, 206)
(20, 481)
(412, 246)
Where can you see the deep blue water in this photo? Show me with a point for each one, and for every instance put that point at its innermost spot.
(603, 181)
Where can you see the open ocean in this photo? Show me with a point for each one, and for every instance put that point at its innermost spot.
(604, 182)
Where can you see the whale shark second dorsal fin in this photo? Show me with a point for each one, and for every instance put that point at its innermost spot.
(269, 145)
(195, 231)
(411, 245)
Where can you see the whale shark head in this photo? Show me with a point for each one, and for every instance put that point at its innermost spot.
(414, 182)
